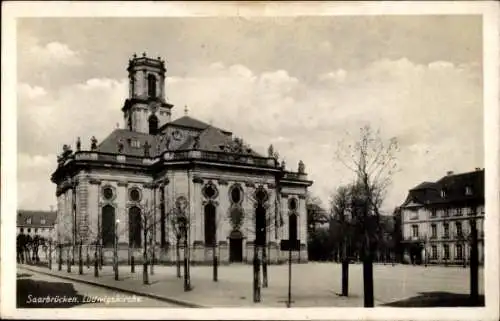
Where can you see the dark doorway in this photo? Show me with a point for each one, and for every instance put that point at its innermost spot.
(236, 247)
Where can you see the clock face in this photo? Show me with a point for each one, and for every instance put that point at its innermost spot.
(177, 135)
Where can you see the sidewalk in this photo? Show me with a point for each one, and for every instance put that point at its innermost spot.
(229, 291)
(313, 284)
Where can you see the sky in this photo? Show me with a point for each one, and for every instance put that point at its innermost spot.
(302, 84)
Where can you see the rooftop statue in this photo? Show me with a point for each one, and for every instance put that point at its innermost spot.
(78, 144)
(93, 143)
(302, 167)
(270, 151)
(120, 146)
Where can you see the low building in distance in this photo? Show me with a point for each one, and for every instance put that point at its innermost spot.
(41, 223)
(160, 169)
(436, 219)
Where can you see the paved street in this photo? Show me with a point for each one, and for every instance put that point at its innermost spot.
(35, 289)
(314, 284)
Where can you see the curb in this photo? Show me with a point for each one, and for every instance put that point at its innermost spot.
(116, 288)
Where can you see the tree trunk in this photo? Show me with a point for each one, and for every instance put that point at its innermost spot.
(178, 256)
(264, 267)
(368, 275)
(474, 264)
(145, 277)
(215, 263)
(256, 274)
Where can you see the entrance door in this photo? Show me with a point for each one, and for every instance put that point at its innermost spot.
(236, 247)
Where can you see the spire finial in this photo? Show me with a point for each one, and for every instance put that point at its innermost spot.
(185, 110)
(144, 54)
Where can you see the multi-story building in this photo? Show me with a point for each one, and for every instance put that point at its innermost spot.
(436, 219)
(41, 223)
(128, 189)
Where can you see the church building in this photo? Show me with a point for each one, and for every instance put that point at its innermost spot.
(132, 186)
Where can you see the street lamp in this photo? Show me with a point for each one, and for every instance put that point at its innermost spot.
(116, 249)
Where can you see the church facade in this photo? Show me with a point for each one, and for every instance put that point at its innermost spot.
(135, 184)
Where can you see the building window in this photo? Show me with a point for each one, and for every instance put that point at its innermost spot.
(433, 212)
(446, 212)
(433, 231)
(134, 194)
(135, 143)
(134, 227)
(443, 193)
(28, 220)
(413, 214)
(210, 226)
(153, 124)
(414, 230)
(446, 228)
(460, 254)
(292, 227)
(446, 249)
(108, 226)
(36, 230)
(458, 211)
(434, 252)
(236, 194)
(468, 190)
(29, 230)
(42, 221)
(151, 86)
(458, 226)
(210, 191)
(108, 193)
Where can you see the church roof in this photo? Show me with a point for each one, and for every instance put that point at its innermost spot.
(210, 139)
(133, 142)
(189, 122)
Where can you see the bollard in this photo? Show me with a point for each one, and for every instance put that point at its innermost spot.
(132, 264)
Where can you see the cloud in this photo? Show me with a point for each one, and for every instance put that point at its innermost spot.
(435, 111)
(55, 52)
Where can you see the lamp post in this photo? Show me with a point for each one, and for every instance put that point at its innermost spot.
(116, 250)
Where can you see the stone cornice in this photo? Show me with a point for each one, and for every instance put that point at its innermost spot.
(122, 184)
(222, 181)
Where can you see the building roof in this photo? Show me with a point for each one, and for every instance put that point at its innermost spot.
(454, 187)
(209, 139)
(189, 122)
(36, 218)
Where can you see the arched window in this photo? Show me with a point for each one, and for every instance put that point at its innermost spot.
(292, 227)
(210, 226)
(108, 226)
(153, 124)
(134, 227)
(260, 225)
(151, 86)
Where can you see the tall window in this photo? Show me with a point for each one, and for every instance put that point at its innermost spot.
(434, 252)
(460, 253)
(210, 227)
(458, 226)
(433, 231)
(108, 226)
(292, 227)
(134, 227)
(153, 124)
(468, 190)
(151, 86)
(446, 228)
(414, 230)
(446, 249)
(433, 212)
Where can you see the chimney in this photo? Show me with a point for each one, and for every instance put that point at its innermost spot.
(478, 168)
(448, 173)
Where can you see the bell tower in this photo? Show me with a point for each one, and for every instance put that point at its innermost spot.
(145, 110)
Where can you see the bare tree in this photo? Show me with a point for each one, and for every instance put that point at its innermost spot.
(340, 207)
(266, 219)
(373, 162)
